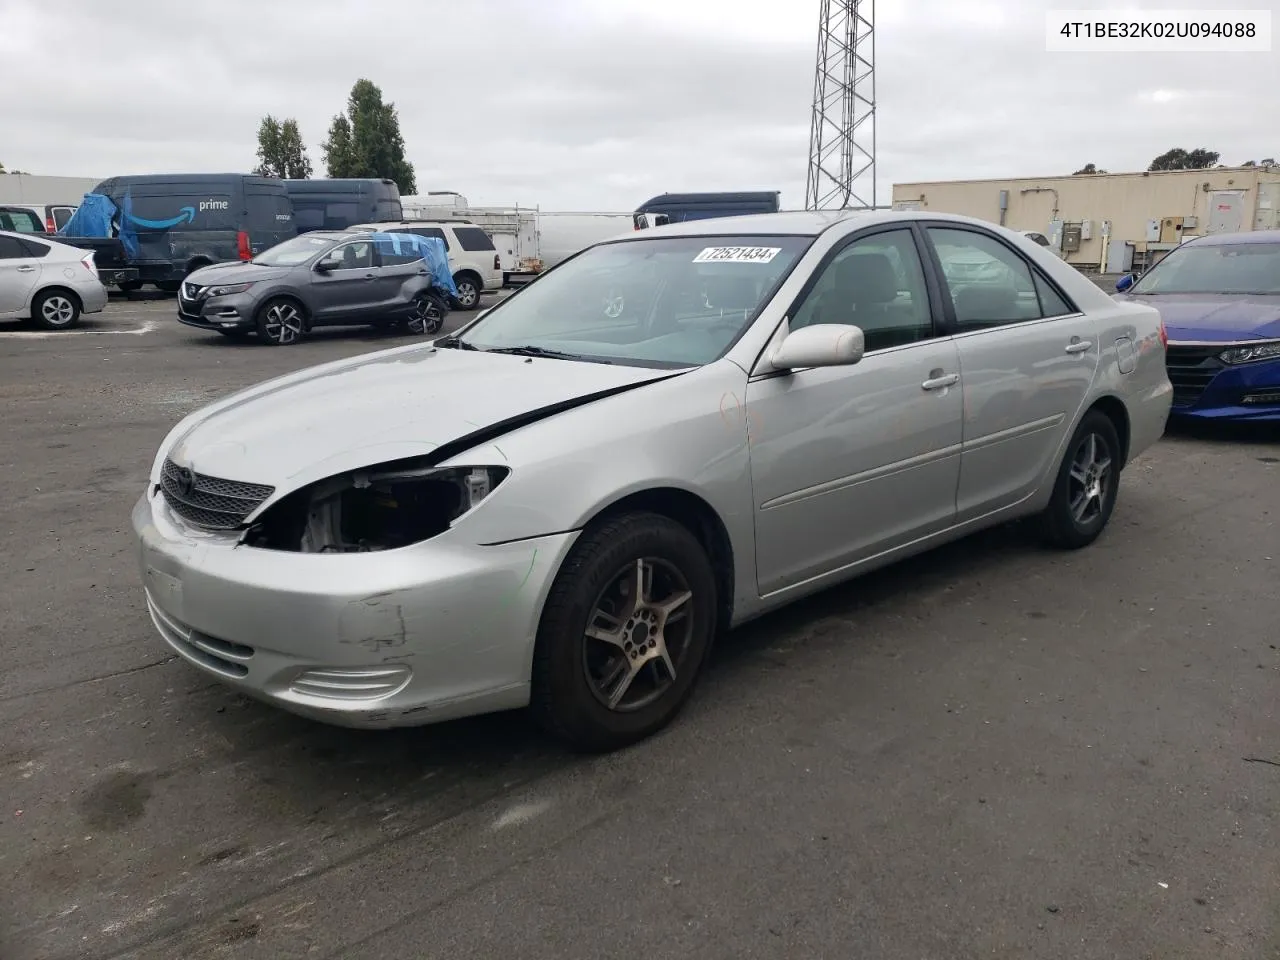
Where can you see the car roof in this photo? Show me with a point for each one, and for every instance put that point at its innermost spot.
(1251, 236)
(386, 226)
(798, 223)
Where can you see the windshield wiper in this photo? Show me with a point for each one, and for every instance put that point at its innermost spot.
(532, 351)
(455, 344)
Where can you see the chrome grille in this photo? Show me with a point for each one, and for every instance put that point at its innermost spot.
(210, 502)
(1191, 368)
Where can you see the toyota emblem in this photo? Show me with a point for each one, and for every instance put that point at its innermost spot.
(186, 481)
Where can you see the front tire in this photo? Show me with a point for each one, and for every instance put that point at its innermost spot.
(624, 634)
(55, 310)
(281, 322)
(1084, 495)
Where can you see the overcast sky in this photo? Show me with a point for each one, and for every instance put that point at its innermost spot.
(600, 104)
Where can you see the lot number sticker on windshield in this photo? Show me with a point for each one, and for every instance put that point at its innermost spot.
(737, 254)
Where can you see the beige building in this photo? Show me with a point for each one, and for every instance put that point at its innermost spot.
(1112, 222)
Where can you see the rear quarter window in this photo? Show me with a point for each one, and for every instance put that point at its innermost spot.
(20, 221)
(472, 238)
(35, 248)
(61, 215)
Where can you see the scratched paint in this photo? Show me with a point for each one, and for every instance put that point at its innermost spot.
(525, 579)
(735, 413)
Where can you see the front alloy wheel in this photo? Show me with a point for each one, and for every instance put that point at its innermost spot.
(624, 633)
(280, 323)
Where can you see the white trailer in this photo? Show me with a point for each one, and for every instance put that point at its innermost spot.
(23, 188)
(561, 235)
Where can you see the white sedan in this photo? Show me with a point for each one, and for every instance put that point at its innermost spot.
(48, 282)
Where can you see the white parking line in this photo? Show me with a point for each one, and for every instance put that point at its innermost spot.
(146, 327)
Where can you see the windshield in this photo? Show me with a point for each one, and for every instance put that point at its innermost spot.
(670, 302)
(1231, 268)
(293, 252)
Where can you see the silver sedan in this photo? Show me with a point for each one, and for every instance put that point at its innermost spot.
(559, 507)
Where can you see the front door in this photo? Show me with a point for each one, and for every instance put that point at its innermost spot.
(1027, 357)
(849, 462)
(349, 290)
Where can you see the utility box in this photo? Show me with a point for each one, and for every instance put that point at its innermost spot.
(1105, 230)
(1171, 230)
(1120, 257)
(1070, 237)
(1055, 234)
(1153, 231)
(1086, 229)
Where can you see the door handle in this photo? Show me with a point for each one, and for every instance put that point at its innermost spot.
(1078, 346)
(26, 269)
(371, 276)
(938, 382)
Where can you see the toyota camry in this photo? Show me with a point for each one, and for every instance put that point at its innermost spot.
(560, 508)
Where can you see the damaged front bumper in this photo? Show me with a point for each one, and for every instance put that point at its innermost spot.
(415, 635)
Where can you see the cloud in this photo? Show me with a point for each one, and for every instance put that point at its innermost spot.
(581, 104)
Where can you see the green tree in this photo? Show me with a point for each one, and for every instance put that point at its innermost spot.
(366, 140)
(280, 150)
(1088, 168)
(1180, 159)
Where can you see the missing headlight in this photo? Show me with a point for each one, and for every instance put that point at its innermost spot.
(376, 509)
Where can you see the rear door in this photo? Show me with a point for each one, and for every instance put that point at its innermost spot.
(1027, 360)
(19, 273)
(269, 216)
(396, 266)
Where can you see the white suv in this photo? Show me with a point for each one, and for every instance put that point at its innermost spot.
(473, 259)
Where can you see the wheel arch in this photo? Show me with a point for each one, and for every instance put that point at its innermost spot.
(57, 288)
(292, 298)
(698, 517)
(1115, 411)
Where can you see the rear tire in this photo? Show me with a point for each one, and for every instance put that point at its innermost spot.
(469, 290)
(129, 286)
(1084, 494)
(639, 667)
(281, 322)
(55, 310)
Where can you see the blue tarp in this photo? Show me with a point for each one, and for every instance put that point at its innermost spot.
(98, 216)
(431, 249)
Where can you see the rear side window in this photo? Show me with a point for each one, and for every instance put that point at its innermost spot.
(428, 232)
(61, 215)
(35, 248)
(472, 238)
(11, 248)
(20, 221)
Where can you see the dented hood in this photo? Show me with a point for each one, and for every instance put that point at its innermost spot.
(367, 410)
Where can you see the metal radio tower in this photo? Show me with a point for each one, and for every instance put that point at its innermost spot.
(842, 139)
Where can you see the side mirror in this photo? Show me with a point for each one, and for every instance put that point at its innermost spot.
(1125, 282)
(325, 265)
(821, 345)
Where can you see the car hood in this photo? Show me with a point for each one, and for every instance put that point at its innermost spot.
(367, 410)
(1216, 318)
(239, 271)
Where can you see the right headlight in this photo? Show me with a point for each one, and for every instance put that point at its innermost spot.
(372, 509)
(1251, 353)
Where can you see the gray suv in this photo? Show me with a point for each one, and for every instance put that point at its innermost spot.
(317, 279)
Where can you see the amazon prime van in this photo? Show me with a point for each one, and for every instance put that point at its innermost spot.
(342, 203)
(172, 224)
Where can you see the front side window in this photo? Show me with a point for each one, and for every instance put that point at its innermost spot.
(670, 302)
(357, 255)
(20, 221)
(1231, 268)
(876, 283)
(293, 252)
(989, 284)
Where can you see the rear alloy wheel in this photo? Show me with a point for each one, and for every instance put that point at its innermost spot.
(281, 323)
(55, 310)
(1084, 495)
(427, 316)
(468, 295)
(625, 632)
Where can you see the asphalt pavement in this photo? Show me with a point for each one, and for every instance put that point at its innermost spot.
(990, 751)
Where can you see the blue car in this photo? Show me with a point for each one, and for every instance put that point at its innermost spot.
(1219, 297)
